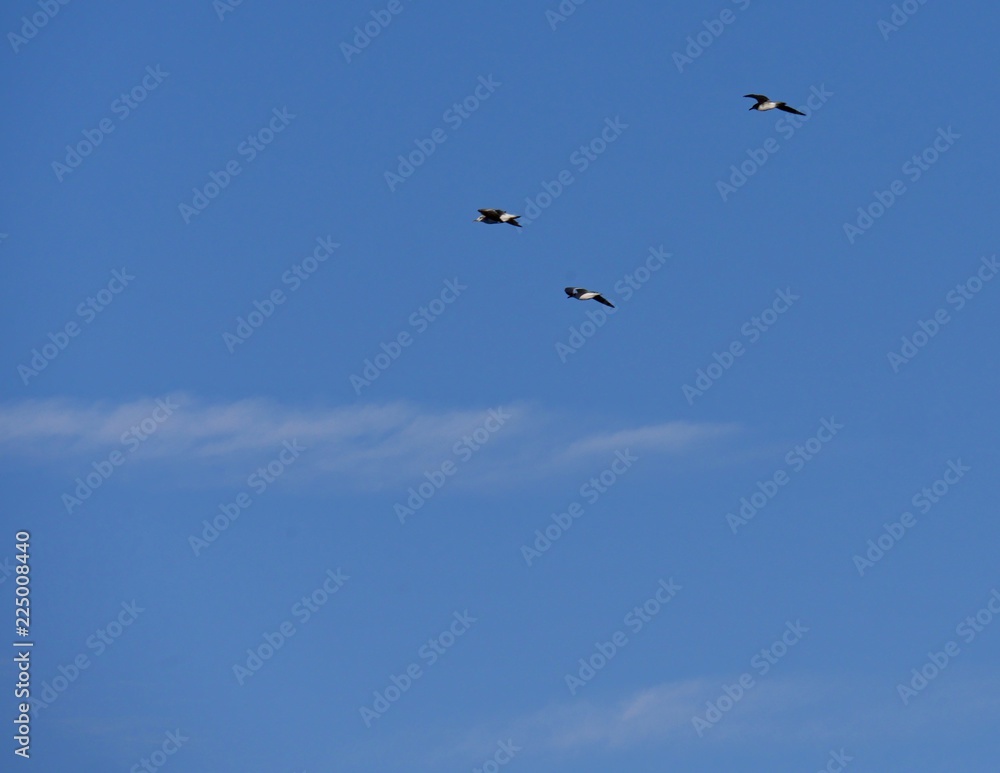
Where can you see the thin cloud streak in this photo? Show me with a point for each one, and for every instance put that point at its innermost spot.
(791, 710)
(674, 436)
(370, 445)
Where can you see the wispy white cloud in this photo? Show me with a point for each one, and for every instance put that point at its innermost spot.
(368, 445)
(656, 714)
(799, 709)
(673, 436)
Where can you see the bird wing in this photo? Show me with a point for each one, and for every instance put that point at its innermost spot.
(508, 216)
(491, 212)
(758, 97)
(601, 299)
(787, 109)
(571, 291)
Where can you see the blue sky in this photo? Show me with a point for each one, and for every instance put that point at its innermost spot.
(320, 475)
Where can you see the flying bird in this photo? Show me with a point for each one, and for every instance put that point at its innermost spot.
(583, 294)
(763, 103)
(494, 216)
